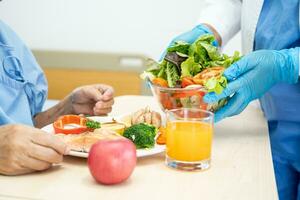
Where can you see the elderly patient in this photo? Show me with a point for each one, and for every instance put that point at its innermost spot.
(23, 91)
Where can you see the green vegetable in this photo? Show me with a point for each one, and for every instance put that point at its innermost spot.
(172, 74)
(180, 47)
(216, 85)
(153, 69)
(142, 135)
(211, 50)
(209, 38)
(225, 61)
(93, 124)
(162, 71)
(190, 68)
(203, 50)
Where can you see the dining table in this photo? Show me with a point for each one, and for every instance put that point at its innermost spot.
(241, 168)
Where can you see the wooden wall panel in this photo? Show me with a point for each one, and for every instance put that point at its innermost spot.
(62, 81)
(66, 70)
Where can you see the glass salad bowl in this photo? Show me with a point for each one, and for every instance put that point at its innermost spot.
(188, 97)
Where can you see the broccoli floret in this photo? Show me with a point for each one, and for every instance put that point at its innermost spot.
(142, 135)
(93, 124)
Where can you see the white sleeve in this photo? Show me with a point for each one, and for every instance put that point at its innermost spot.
(224, 16)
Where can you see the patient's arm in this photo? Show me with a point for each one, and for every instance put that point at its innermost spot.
(89, 100)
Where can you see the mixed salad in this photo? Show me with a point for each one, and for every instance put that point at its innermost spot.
(198, 63)
(193, 65)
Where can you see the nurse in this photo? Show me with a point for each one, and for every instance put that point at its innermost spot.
(269, 71)
(23, 90)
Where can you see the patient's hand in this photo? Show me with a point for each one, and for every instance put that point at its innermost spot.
(89, 100)
(24, 149)
(93, 99)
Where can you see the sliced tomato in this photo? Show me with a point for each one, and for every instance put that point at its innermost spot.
(160, 82)
(208, 73)
(186, 81)
(79, 122)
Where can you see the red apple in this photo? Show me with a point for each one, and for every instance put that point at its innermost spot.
(112, 161)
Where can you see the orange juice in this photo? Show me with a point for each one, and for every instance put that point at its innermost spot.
(189, 140)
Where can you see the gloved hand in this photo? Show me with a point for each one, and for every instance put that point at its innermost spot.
(191, 36)
(252, 76)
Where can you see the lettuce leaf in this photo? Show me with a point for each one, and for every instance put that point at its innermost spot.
(162, 71)
(152, 71)
(180, 47)
(225, 60)
(172, 74)
(211, 50)
(216, 85)
(190, 68)
(209, 38)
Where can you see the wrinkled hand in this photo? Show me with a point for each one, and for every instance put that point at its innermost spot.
(24, 149)
(190, 36)
(252, 76)
(93, 99)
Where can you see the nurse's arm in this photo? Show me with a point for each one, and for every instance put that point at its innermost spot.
(222, 17)
(253, 75)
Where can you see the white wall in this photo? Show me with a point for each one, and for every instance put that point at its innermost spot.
(135, 26)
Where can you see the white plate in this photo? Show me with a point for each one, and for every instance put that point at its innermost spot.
(140, 152)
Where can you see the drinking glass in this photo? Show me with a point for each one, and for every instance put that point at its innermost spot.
(189, 138)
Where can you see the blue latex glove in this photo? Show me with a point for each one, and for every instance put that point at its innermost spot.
(252, 76)
(191, 36)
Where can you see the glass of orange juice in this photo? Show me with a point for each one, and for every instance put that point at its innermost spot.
(189, 138)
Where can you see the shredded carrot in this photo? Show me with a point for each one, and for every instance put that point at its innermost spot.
(161, 139)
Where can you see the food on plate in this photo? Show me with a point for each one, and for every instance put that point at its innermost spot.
(142, 135)
(91, 124)
(74, 124)
(145, 115)
(83, 142)
(112, 161)
(114, 126)
(197, 64)
(80, 133)
(161, 139)
(137, 130)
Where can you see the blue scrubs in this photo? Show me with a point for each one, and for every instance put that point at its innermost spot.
(23, 86)
(278, 28)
